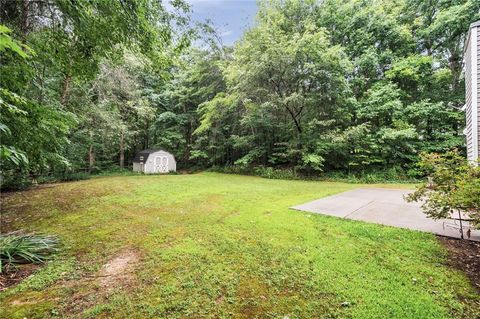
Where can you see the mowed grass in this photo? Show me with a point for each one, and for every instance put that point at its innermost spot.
(225, 246)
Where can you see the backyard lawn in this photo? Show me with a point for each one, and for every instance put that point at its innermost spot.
(223, 246)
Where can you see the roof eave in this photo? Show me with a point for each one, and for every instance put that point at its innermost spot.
(467, 40)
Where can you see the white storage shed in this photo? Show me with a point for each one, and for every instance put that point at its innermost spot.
(154, 162)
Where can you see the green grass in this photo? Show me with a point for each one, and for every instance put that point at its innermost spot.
(226, 246)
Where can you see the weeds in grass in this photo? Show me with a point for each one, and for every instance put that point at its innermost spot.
(56, 269)
(21, 249)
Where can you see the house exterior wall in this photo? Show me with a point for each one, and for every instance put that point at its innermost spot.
(477, 96)
(150, 163)
(472, 86)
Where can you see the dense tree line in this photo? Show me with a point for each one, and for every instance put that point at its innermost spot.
(341, 85)
(79, 81)
(352, 86)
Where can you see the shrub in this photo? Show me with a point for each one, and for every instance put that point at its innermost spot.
(262, 171)
(453, 185)
(9, 180)
(394, 174)
(275, 173)
(391, 175)
(74, 176)
(231, 169)
(115, 171)
(21, 249)
(63, 177)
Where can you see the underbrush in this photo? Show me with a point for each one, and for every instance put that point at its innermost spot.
(392, 175)
(115, 171)
(63, 177)
(14, 181)
(18, 181)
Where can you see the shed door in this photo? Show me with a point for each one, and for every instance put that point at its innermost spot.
(164, 167)
(161, 164)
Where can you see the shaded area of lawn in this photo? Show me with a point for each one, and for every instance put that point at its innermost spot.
(213, 245)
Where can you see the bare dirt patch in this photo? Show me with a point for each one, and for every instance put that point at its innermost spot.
(464, 255)
(118, 272)
(15, 275)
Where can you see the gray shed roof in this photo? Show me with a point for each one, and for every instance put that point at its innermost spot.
(142, 156)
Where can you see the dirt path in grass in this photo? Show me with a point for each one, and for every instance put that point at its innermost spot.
(118, 272)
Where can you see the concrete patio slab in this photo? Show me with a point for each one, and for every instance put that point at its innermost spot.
(381, 206)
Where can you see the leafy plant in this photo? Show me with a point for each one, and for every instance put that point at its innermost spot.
(9, 99)
(453, 185)
(23, 249)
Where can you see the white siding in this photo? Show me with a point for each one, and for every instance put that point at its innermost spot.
(472, 101)
(150, 163)
(478, 92)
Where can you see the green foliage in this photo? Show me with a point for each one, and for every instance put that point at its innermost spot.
(20, 249)
(66, 176)
(70, 106)
(262, 171)
(9, 100)
(312, 161)
(272, 173)
(453, 185)
(390, 175)
(12, 181)
(335, 86)
(6, 42)
(381, 105)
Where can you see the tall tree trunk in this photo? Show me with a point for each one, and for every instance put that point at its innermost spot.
(146, 140)
(24, 21)
(91, 159)
(188, 138)
(455, 66)
(65, 89)
(295, 120)
(122, 150)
